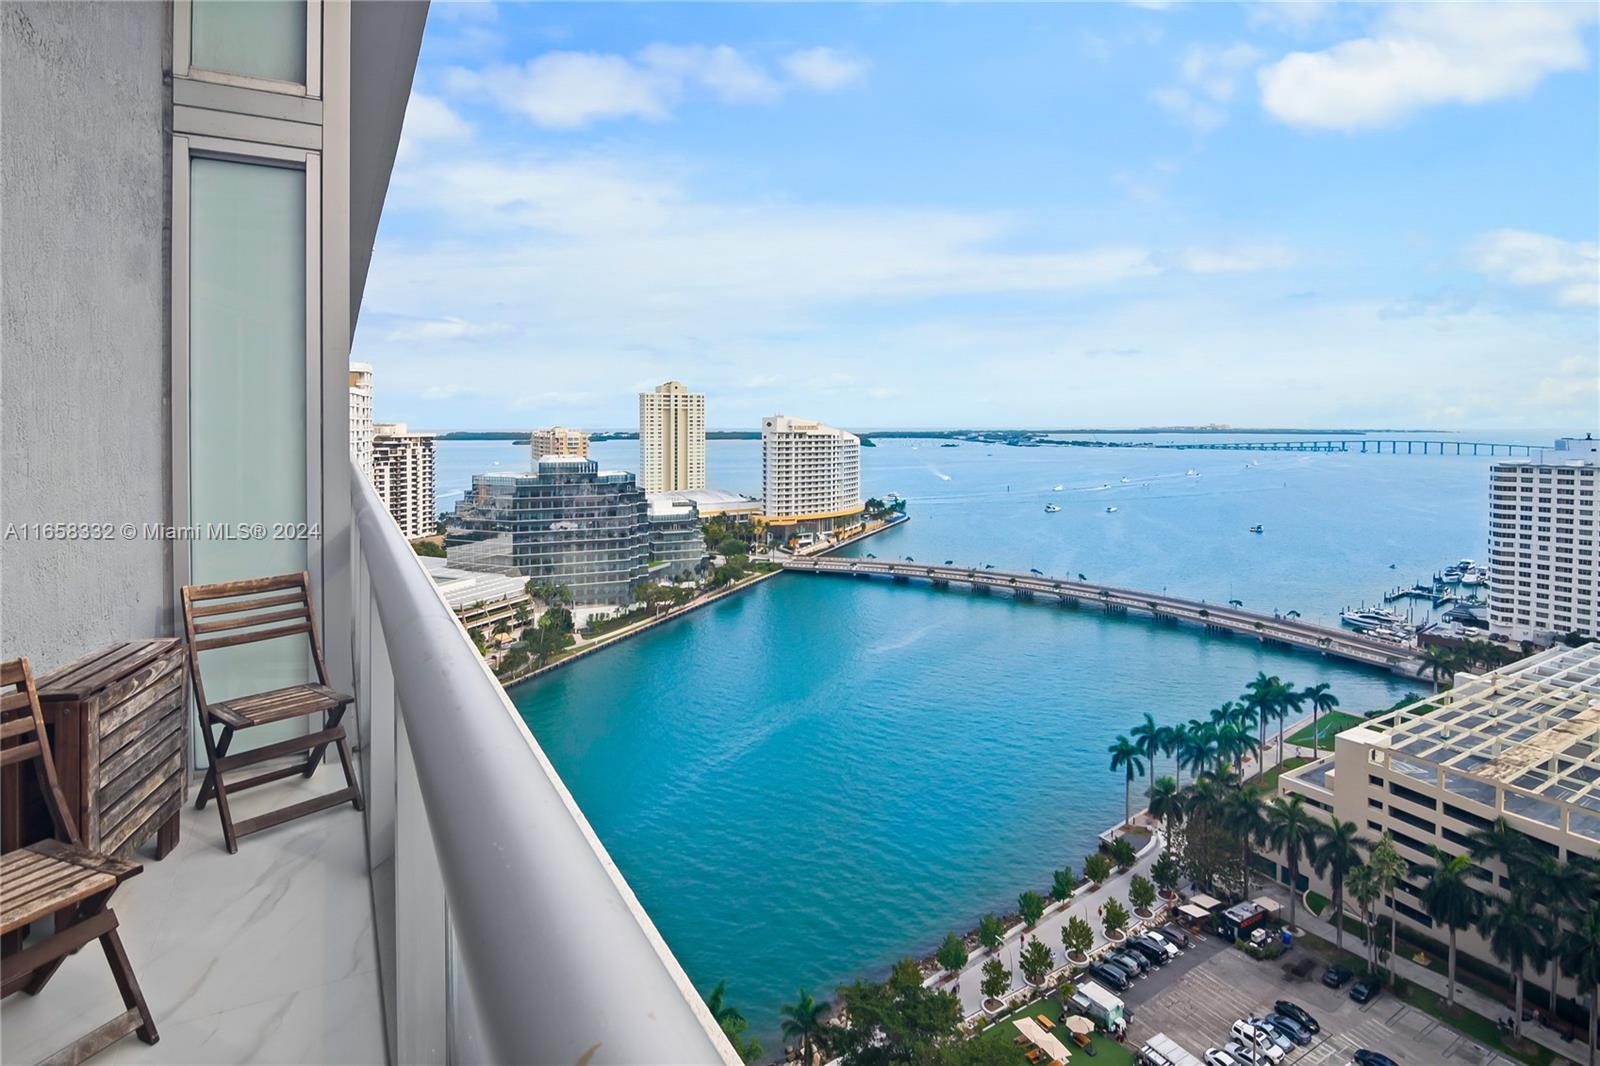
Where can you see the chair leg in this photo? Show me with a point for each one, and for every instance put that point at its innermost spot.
(216, 751)
(128, 985)
(343, 748)
(314, 756)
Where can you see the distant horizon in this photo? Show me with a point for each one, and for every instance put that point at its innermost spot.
(1118, 430)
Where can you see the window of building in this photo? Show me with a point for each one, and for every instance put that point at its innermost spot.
(262, 39)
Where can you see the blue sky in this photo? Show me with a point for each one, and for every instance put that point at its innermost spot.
(964, 215)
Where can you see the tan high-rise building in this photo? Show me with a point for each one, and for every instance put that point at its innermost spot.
(559, 441)
(402, 474)
(672, 439)
(361, 417)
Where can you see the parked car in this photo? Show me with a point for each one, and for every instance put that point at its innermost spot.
(1299, 1014)
(1245, 1056)
(1149, 950)
(1120, 969)
(1371, 1058)
(1257, 1039)
(1366, 989)
(1111, 976)
(1284, 1042)
(1290, 1028)
(1133, 963)
(1336, 976)
(1215, 1056)
(1168, 951)
(1176, 935)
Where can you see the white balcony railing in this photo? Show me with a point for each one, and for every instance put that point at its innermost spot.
(506, 933)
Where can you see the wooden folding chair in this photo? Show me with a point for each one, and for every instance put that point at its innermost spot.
(61, 880)
(240, 612)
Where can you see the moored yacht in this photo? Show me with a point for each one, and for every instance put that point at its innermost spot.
(1051, 508)
(1370, 619)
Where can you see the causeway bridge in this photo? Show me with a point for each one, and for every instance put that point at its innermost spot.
(1355, 444)
(1216, 618)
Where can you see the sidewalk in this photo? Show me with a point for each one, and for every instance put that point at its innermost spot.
(1575, 1050)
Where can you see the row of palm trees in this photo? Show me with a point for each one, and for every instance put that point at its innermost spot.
(1221, 739)
(1444, 662)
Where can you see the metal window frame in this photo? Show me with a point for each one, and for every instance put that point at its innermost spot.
(185, 148)
(183, 55)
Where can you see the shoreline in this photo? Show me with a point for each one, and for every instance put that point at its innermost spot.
(678, 612)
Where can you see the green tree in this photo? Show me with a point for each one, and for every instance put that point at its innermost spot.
(1452, 902)
(990, 931)
(996, 978)
(1241, 815)
(733, 1024)
(1441, 662)
(804, 1020)
(1097, 868)
(1149, 738)
(952, 953)
(1334, 856)
(1291, 829)
(1077, 936)
(1123, 853)
(1322, 701)
(1141, 893)
(1387, 868)
(1516, 935)
(1125, 757)
(1031, 906)
(1166, 803)
(1036, 961)
(899, 1021)
(1165, 872)
(1560, 888)
(1062, 883)
(1580, 958)
(1365, 889)
(1114, 917)
(429, 549)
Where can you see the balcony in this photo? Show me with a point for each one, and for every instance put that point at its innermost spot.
(470, 914)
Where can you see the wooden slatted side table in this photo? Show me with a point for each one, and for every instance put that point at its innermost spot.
(120, 728)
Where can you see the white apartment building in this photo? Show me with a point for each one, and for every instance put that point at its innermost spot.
(402, 474)
(559, 441)
(672, 439)
(810, 472)
(361, 417)
(1517, 743)
(1544, 547)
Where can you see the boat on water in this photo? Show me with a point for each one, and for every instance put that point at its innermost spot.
(1371, 619)
(1257, 529)
(1124, 481)
(1058, 488)
(1051, 508)
(1191, 472)
(1109, 510)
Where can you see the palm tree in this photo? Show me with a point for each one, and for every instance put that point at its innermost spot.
(1291, 829)
(1517, 936)
(1366, 890)
(804, 1020)
(1261, 696)
(1178, 746)
(1125, 757)
(1241, 813)
(721, 1011)
(1322, 700)
(1147, 737)
(1438, 661)
(1199, 751)
(1338, 853)
(1505, 844)
(1452, 902)
(1290, 702)
(1558, 888)
(1165, 803)
(1235, 741)
(1580, 957)
(1388, 868)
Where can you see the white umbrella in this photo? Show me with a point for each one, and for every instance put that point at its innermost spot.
(1077, 1023)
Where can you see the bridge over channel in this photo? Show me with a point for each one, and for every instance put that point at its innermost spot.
(1355, 444)
(1225, 619)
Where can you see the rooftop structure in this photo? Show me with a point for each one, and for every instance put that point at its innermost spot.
(557, 441)
(711, 503)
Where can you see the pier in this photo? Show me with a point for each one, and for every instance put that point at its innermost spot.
(1217, 618)
(1362, 445)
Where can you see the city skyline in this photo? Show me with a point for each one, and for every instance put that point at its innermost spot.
(1143, 217)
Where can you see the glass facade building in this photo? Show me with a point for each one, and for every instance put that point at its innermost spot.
(569, 523)
(675, 539)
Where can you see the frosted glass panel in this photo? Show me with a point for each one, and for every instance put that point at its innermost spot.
(259, 38)
(247, 395)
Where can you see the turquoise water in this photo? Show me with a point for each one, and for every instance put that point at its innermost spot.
(820, 775)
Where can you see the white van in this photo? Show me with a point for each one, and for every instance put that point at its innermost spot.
(1252, 1037)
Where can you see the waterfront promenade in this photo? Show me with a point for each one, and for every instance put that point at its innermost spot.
(1224, 618)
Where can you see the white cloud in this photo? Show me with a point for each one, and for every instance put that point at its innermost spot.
(1236, 260)
(430, 119)
(824, 69)
(569, 90)
(1208, 82)
(1293, 17)
(1568, 270)
(443, 329)
(1424, 55)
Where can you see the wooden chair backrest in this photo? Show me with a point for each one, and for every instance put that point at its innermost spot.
(245, 612)
(22, 724)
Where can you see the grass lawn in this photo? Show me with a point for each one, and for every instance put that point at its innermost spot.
(1107, 1051)
(1328, 725)
(1269, 780)
(1317, 902)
